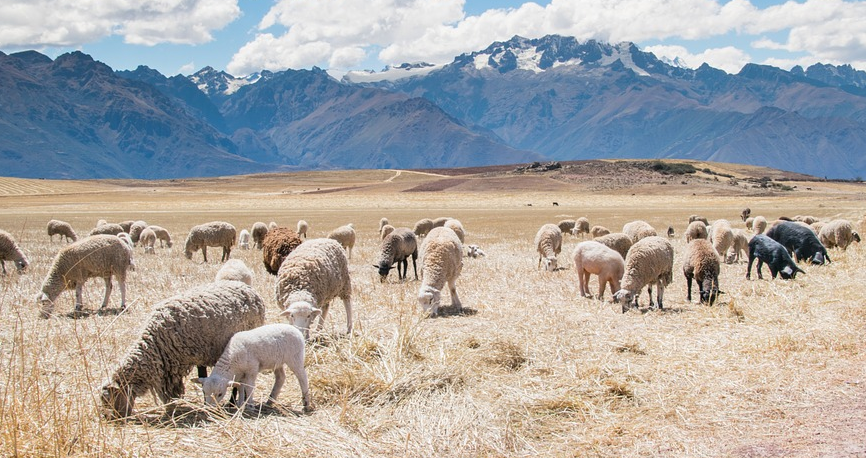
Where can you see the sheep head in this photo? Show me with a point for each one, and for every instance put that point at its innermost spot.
(301, 315)
(116, 402)
(429, 299)
(626, 298)
(214, 388)
(549, 263)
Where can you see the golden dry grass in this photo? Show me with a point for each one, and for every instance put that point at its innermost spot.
(776, 369)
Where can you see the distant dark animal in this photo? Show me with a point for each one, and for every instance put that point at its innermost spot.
(785, 218)
(774, 254)
(556, 204)
(746, 213)
(801, 241)
(670, 231)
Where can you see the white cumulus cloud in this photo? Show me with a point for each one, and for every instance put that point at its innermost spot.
(728, 58)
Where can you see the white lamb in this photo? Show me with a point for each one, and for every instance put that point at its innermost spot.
(474, 251)
(441, 262)
(147, 239)
(592, 257)
(548, 243)
(346, 236)
(162, 235)
(267, 348)
(303, 227)
(235, 269)
(722, 238)
(10, 251)
(457, 227)
(259, 231)
(244, 239)
(759, 224)
(740, 245)
(649, 262)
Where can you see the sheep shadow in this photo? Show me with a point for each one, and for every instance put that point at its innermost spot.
(450, 311)
(80, 314)
(655, 309)
(191, 416)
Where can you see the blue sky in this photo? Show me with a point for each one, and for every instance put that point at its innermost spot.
(244, 36)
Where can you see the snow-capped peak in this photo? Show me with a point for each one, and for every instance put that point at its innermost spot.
(390, 73)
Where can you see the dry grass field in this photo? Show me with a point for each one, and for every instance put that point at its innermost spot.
(529, 369)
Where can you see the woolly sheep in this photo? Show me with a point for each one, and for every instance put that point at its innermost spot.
(127, 240)
(215, 234)
(799, 240)
(303, 227)
(441, 262)
(548, 244)
(95, 256)
(581, 226)
(162, 235)
(186, 330)
(259, 231)
(739, 245)
(765, 249)
(383, 222)
(694, 218)
(637, 230)
(244, 239)
(759, 225)
(386, 229)
(101, 222)
(276, 246)
(61, 228)
(701, 263)
(346, 236)
(565, 226)
(598, 231)
(457, 227)
(423, 226)
(838, 233)
(591, 257)
(750, 221)
(107, 229)
(236, 270)
(474, 251)
(439, 222)
(745, 213)
(310, 277)
(268, 347)
(618, 241)
(272, 225)
(649, 262)
(135, 230)
(147, 238)
(817, 226)
(696, 230)
(9, 251)
(396, 248)
(805, 219)
(126, 225)
(722, 237)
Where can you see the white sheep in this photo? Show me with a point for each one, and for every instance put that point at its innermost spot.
(382, 223)
(548, 243)
(268, 347)
(649, 262)
(591, 257)
(235, 269)
(598, 231)
(422, 227)
(215, 234)
(147, 239)
(95, 256)
(303, 227)
(61, 228)
(439, 222)
(10, 251)
(474, 251)
(750, 221)
(638, 229)
(739, 245)
(107, 229)
(838, 233)
(702, 264)
(696, 230)
(162, 235)
(581, 226)
(186, 330)
(386, 229)
(457, 227)
(127, 240)
(135, 230)
(722, 237)
(244, 239)
(272, 225)
(259, 231)
(759, 225)
(441, 256)
(310, 277)
(694, 218)
(346, 236)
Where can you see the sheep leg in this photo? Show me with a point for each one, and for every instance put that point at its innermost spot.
(761, 264)
(660, 292)
(347, 302)
(602, 284)
(689, 288)
(279, 380)
(414, 265)
(649, 290)
(581, 281)
(324, 315)
(204, 253)
(107, 292)
(455, 301)
(122, 284)
(245, 394)
(78, 293)
(301, 374)
(227, 251)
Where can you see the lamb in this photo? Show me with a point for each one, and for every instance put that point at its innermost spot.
(548, 243)
(396, 249)
(474, 251)
(774, 254)
(441, 262)
(95, 256)
(740, 245)
(745, 213)
(637, 230)
(694, 218)
(303, 227)
(649, 262)
(750, 221)
(267, 347)
(186, 330)
(135, 230)
(702, 264)
(10, 251)
(215, 234)
(759, 225)
(346, 236)
(236, 270)
(311, 276)
(147, 238)
(799, 240)
(696, 230)
(107, 229)
(423, 226)
(722, 237)
(457, 227)
(620, 242)
(259, 231)
(386, 229)
(162, 235)
(276, 246)
(61, 228)
(598, 231)
(591, 257)
(838, 233)
(244, 239)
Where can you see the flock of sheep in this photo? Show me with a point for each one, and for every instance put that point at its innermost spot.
(222, 324)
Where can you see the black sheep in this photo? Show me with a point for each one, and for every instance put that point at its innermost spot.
(774, 254)
(799, 240)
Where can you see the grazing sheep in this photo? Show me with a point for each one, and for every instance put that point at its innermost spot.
(244, 239)
(439, 222)
(236, 270)
(694, 218)
(215, 234)
(267, 347)
(799, 240)
(135, 230)
(396, 249)
(759, 225)
(591, 257)
(474, 251)
(649, 262)
(581, 226)
(701, 263)
(186, 330)
(346, 236)
(816, 228)
(162, 235)
(637, 230)
(303, 227)
(618, 241)
(147, 238)
(838, 233)
(722, 237)
(696, 230)
(565, 226)
(272, 225)
(598, 231)
(127, 240)
(61, 228)
(386, 229)
(441, 262)
(805, 219)
(126, 225)
(740, 245)
(423, 226)
(95, 256)
(101, 222)
(671, 232)
(548, 243)
(276, 246)
(750, 221)
(107, 229)
(9, 251)
(457, 227)
(311, 276)
(382, 223)
(259, 231)
(745, 213)
(774, 254)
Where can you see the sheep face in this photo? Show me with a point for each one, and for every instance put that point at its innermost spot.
(46, 305)
(709, 292)
(301, 315)
(116, 403)
(21, 264)
(549, 264)
(214, 388)
(624, 297)
(429, 299)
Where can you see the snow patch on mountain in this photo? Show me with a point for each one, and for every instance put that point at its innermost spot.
(390, 73)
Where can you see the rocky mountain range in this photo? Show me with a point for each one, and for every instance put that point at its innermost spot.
(516, 101)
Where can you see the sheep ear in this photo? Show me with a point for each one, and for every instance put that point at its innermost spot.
(198, 380)
(316, 312)
(285, 312)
